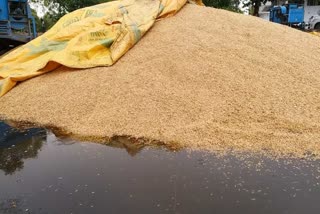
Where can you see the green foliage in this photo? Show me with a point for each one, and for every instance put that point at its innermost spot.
(48, 21)
(255, 5)
(232, 5)
(37, 19)
(44, 23)
(58, 8)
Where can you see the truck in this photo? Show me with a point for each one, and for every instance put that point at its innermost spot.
(314, 22)
(288, 14)
(17, 24)
(303, 14)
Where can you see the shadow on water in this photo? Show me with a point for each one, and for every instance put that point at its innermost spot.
(41, 172)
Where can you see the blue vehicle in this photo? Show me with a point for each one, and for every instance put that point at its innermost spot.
(17, 25)
(289, 14)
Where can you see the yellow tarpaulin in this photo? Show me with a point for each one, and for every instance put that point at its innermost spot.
(89, 37)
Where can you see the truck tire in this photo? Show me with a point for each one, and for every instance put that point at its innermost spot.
(317, 26)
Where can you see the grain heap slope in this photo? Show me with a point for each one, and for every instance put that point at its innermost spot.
(205, 78)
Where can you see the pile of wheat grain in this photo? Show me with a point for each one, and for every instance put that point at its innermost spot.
(205, 79)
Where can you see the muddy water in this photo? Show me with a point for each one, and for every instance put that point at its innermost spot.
(40, 173)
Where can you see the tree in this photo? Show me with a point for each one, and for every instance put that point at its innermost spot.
(47, 21)
(255, 4)
(232, 5)
(44, 23)
(37, 19)
(58, 8)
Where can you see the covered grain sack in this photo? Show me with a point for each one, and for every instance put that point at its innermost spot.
(89, 37)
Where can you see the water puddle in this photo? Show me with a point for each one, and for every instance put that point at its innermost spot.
(41, 173)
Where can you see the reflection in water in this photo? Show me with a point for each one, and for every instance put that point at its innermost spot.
(19, 142)
(132, 145)
(17, 145)
(69, 176)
